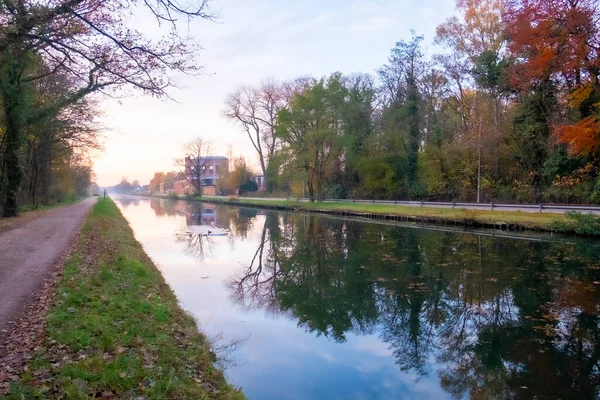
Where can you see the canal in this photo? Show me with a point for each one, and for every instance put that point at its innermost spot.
(311, 307)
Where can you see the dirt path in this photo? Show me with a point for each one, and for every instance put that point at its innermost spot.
(27, 255)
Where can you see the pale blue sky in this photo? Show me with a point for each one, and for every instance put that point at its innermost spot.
(251, 41)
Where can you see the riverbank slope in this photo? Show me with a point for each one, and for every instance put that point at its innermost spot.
(114, 328)
(572, 223)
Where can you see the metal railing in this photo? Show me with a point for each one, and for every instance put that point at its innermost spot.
(483, 206)
(464, 205)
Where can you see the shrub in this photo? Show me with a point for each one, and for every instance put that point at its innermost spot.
(249, 186)
(582, 224)
(596, 193)
(172, 195)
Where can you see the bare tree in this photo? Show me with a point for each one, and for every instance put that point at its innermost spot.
(196, 245)
(256, 110)
(90, 41)
(194, 165)
(256, 285)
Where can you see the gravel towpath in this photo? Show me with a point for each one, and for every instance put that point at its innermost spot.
(28, 253)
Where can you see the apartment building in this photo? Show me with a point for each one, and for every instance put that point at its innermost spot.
(213, 169)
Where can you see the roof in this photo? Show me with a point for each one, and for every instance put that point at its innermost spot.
(211, 158)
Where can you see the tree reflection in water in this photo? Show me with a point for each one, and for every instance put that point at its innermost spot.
(196, 246)
(503, 318)
(499, 318)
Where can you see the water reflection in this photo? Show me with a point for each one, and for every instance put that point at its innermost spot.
(503, 318)
(488, 318)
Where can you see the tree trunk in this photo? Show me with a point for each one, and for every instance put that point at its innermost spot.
(13, 104)
(479, 128)
(264, 167)
(14, 172)
(479, 168)
(311, 191)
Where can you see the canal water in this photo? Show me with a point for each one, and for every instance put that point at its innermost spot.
(312, 307)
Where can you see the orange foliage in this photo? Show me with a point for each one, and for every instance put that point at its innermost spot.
(559, 40)
(582, 137)
(553, 38)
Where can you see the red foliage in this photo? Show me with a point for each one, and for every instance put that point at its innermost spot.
(582, 137)
(554, 39)
(560, 40)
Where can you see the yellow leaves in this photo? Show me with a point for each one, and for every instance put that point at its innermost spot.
(580, 94)
(578, 176)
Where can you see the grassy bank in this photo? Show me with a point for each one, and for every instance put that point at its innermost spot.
(508, 220)
(115, 329)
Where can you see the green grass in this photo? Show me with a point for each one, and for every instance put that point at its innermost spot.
(40, 207)
(535, 221)
(115, 328)
(581, 224)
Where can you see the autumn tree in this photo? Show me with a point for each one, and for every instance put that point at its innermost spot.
(156, 181)
(91, 42)
(490, 118)
(560, 41)
(477, 43)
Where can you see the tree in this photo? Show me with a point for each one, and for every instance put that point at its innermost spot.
(63, 139)
(159, 177)
(122, 187)
(194, 164)
(310, 129)
(478, 46)
(531, 131)
(357, 120)
(560, 41)
(239, 175)
(401, 78)
(248, 186)
(89, 41)
(256, 110)
(172, 177)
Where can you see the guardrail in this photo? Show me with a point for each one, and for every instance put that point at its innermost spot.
(490, 206)
(478, 206)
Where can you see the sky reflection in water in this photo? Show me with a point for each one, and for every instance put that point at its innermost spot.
(335, 309)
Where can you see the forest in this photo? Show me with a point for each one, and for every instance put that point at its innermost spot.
(506, 110)
(53, 154)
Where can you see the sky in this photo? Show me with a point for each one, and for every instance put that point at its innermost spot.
(250, 42)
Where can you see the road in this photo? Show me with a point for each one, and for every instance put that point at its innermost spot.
(534, 208)
(28, 254)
